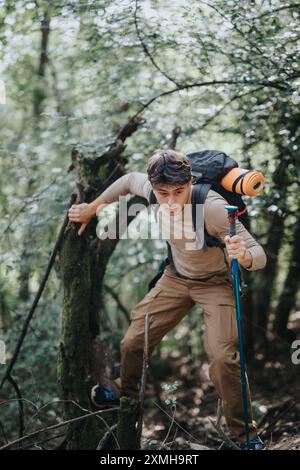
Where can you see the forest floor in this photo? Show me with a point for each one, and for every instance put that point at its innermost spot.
(181, 418)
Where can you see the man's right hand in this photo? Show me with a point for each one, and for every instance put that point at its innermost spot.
(80, 213)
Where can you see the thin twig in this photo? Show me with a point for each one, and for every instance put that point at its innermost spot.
(144, 376)
(275, 10)
(171, 425)
(217, 425)
(28, 446)
(176, 422)
(103, 440)
(20, 404)
(72, 402)
(55, 426)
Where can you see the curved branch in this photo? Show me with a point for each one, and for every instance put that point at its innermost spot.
(146, 50)
(118, 301)
(240, 32)
(275, 10)
(234, 98)
(276, 84)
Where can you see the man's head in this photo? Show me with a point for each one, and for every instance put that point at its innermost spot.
(169, 173)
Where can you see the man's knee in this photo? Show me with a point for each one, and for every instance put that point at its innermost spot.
(132, 344)
(223, 359)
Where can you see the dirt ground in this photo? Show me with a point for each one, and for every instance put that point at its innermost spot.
(179, 417)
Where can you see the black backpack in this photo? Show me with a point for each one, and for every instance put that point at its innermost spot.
(208, 168)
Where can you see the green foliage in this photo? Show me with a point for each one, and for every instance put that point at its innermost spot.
(105, 59)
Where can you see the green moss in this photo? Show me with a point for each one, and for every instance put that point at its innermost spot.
(76, 338)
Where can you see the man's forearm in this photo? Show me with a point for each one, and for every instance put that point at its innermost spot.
(259, 258)
(120, 187)
(94, 205)
(246, 261)
(132, 183)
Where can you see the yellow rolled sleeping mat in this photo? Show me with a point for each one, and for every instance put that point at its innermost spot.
(241, 181)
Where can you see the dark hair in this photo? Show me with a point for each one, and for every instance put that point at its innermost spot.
(168, 167)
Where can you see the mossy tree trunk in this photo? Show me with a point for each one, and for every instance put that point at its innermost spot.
(83, 260)
(76, 339)
(127, 424)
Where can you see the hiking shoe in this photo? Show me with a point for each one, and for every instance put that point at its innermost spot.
(253, 444)
(101, 396)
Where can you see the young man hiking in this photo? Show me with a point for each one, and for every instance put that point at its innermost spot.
(195, 276)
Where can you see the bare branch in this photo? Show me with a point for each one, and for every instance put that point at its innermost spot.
(146, 50)
(175, 134)
(144, 376)
(28, 446)
(56, 426)
(118, 301)
(275, 10)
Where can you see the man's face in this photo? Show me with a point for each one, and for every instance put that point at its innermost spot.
(173, 197)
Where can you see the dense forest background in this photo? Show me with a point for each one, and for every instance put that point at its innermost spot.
(88, 90)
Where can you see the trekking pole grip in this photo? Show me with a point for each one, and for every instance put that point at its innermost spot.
(232, 214)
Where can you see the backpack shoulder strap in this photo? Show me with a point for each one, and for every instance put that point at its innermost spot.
(152, 197)
(200, 192)
(199, 195)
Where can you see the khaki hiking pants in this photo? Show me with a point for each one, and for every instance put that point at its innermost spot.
(167, 303)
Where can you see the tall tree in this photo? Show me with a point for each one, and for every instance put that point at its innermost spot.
(83, 261)
(287, 299)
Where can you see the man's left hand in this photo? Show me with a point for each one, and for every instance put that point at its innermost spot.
(236, 249)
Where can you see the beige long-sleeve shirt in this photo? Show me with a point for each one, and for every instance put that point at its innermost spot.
(189, 260)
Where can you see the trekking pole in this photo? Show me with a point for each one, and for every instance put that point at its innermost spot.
(232, 213)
